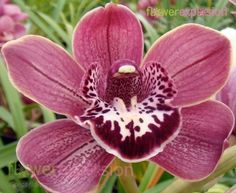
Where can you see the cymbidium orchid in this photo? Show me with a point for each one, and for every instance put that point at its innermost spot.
(145, 6)
(230, 33)
(228, 94)
(10, 22)
(119, 104)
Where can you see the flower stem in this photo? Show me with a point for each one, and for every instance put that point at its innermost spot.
(126, 177)
(228, 162)
(157, 175)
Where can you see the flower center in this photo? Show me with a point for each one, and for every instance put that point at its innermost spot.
(136, 122)
(123, 81)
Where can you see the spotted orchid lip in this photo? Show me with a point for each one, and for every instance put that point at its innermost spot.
(162, 111)
(141, 127)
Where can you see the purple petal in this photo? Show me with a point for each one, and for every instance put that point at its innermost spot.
(14, 12)
(63, 157)
(45, 73)
(230, 33)
(105, 35)
(228, 95)
(196, 57)
(197, 149)
(6, 24)
(19, 30)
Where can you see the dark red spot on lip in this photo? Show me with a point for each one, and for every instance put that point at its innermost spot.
(140, 120)
(106, 111)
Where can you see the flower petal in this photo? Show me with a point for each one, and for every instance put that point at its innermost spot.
(196, 57)
(19, 30)
(44, 72)
(230, 33)
(197, 149)
(14, 12)
(228, 95)
(63, 157)
(157, 85)
(105, 35)
(138, 134)
(6, 24)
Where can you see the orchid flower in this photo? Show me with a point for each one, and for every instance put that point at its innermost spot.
(10, 22)
(120, 104)
(144, 5)
(228, 95)
(230, 33)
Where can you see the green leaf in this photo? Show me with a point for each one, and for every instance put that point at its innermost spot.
(159, 187)
(5, 115)
(213, 21)
(147, 176)
(83, 7)
(57, 11)
(120, 187)
(151, 31)
(56, 27)
(108, 187)
(5, 185)
(14, 102)
(36, 188)
(48, 115)
(48, 30)
(8, 154)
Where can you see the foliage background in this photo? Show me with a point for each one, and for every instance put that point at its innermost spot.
(55, 19)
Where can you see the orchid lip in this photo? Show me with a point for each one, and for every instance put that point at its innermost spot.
(128, 115)
(129, 126)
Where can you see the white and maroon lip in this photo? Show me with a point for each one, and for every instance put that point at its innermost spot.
(133, 124)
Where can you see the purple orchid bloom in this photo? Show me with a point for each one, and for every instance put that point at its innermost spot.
(10, 22)
(120, 105)
(144, 5)
(228, 95)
